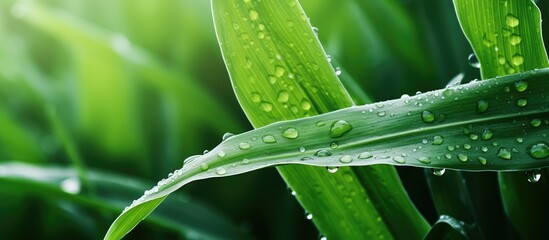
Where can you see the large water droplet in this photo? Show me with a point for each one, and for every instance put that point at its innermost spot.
(269, 139)
(487, 134)
(539, 150)
(533, 176)
(244, 146)
(339, 128)
(473, 61)
(521, 86)
(439, 171)
(365, 155)
(345, 159)
(425, 160)
(290, 133)
(504, 153)
(427, 116)
(462, 157)
(283, 96)
(482, 106)
(322, 153)
(511, 20)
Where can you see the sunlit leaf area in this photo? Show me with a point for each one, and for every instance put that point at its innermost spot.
(274, 119)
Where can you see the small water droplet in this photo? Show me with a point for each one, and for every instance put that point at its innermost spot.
(309, 216)
(204, 166)
(539, 150)
(266, 106)
(427, 116)
(301, 149)
(424, 141)
(448, 156)
(533, 176)
(220, 171)
(290, 133)
(517, 59)
(305, 105)
(482, 106)
(462, 157)
(521, 86)
(473, 136)
(519, 140)
(339, 128)
(338, 71)
(424, 160)
(535, 122)
(438, 140)
(501, 60)
(439, 171)
(322, 153)
(279, 71)
(345, 159)
(504, 153)
(487, 134)
(332, 169)
(473, 61)
(269, 139)
(398, 159)
(245, 161)
(226, 136)
(283, 96)
(221, 153)
(244, 146)
(254, 15)
(511, 20)
(272, 79)
(522, 102)
(334, 145)
(320, 123)
(484, 149)
(381, 114)
(466, 146)
(365, 155)
(451, 148)
(482, 160)
(515, 39)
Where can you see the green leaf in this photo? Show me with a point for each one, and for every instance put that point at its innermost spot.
(178, 214)
(457, 136)
(280, 71)
(505, 35)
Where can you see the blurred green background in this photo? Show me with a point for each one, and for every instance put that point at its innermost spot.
(100, 99)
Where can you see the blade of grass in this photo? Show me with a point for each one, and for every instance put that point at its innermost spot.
(279, 71)
(412, 137)
(178, 214)
(506, 37)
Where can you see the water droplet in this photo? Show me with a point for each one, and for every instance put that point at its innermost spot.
(71, 185)
(466, 146)
(279, 71)
(266, 106)
(517, 59)
(345, 159)
(272, 79)
(332, 169)
(487, 134)
(482, 106)
(221, 153)
(511, 20)
(521, 86)
(339, 128)
(245, 161)
(301, 149)
(501, 60)
(381, 114)
(437, 140)
(448, 156)
(427, 116)
(365, 155)
(504, 153)
(204, 166)
(539, 150)
(451, 148)
(522, 102)
(244, 146)
(309, 216)
(334, 145)
(535, 122)
(320, 123)
(220, 171)
(515, 39)
(484, 149)
(439, 171)
(462, 157)
(424, 141)
(283, 96)
(269, 139)
(226, 136)
(482, 160)
(519, 140)
(338, 71)
(305, 105)
(254, 15)
(533, 176)
(473, 61)
(322, 153)
(398, 159)
(425, 160)
(473, 136)
(290, 133)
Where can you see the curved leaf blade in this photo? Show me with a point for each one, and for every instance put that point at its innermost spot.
(499, 138)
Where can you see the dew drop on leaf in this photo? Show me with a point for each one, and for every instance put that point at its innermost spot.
(473, 61)
(539, 150)
(511, 20)
(244, 146)
(226, 136)
(220, 171)
(504, 153)
(522, 102)
(269, 139)
(425, 160)
(322, 153)
(533, 176)
(521, 86)
(365, 155)
(439, 171)
(332, 169)
(345, 159)
(204, 166)
(462, 157)
(535, 122)
(427, 116)
(398, 159)
(487, 134)
(438, 140)
(339, 128)
(482, 106)
(290, 133)
(482, 160)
